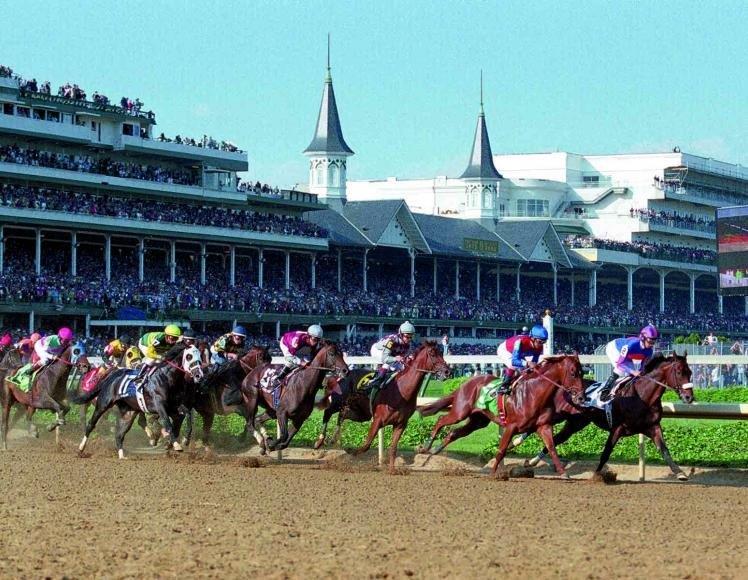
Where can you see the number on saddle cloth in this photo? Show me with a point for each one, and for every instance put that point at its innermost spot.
(363, 382)
(593, 393)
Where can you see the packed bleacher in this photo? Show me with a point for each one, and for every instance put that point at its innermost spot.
(206, 142)
(674, 219)
(48, 199)
(651, 250)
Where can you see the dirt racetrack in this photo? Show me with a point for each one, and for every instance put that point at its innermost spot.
(198, 515)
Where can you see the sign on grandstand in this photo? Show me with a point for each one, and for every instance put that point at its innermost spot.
(480, 246)
(732, 250)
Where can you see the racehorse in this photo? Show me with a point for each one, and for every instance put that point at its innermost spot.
(636, 408)
(169, 384)
(48, 391)
(529, 407)
(396, 403)
(297, 396)
(208, 395)
(461, 404)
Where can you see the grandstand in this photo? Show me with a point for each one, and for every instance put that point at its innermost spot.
(102, 220)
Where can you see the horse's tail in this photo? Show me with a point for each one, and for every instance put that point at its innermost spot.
(435, 407)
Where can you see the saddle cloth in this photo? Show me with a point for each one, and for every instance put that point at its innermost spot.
(592, 393)
(129, 387)
(23, 380)
(487, 399)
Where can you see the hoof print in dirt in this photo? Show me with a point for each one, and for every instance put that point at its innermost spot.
(607, 477)
(501, 475)
(251, 462)
(520, 471)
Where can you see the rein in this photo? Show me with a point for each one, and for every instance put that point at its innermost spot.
(559, 385)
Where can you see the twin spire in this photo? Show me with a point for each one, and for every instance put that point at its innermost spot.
(480, 165)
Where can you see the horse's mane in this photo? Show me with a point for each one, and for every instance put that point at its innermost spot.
(265, 353)
(653, 363)
(175, 351)
(424, 345)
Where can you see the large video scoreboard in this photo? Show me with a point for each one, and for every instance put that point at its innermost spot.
(732, 250)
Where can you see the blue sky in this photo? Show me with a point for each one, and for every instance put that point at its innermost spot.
(585, 76)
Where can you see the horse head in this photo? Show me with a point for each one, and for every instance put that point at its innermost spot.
(189, 360)
(254, 357)
(332, 359)
(428, 358)
(676, 374)
(568, 372)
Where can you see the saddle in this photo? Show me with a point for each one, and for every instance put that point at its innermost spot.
(23, 379)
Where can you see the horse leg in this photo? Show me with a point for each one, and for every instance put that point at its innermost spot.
(7, 404)
(655, 434)
(33, 431)
(397, 431)
(506, 438)
(99, 411)
(207, 426)
(376, 424)
(125, 419)
(475, 421)
(82, 413)
(546, 432)
(325, 420)
(569, 428)
(338, 428)
(282, 420)
(613, 438)
(167, 425)
(291, 431)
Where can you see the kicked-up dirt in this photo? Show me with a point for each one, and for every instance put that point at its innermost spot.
(206, 515)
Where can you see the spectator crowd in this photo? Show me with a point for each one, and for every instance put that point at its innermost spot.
(674, 219)
(651, 250)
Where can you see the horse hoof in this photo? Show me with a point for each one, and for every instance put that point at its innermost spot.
(263, 451)
(319, 443)
(185, 442)
(176, 446)
(51, 427)
(681, 476)
(120, 454)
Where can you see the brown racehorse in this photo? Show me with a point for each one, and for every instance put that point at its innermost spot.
(297, 397)
(529, 407)
(47, 392)
(208, 396)
(396, 403)
(637, 408)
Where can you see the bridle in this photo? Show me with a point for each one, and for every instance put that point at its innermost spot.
(192, 365)
(561, 386)
(433, 363)
(332, 368)
(677, 388)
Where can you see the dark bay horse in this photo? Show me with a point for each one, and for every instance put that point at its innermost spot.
(297, 397)
(396, 403)
(208, 395)
(637, 408)
(169, 382)
(529, 407)
(48, 392)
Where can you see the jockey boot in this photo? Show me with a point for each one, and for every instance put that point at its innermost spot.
(505, 387)
(375, 385)
(279, 378)
(608, 387)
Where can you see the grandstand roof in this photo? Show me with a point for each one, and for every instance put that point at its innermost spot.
(537, 241)
(341, 231)
(447, 236)
(376, 220)
(328, 137)
(481, 164)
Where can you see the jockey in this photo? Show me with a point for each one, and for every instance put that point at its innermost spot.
(390, 353)
(293, 341)
(515, 351)
(25, 346)
(154, 345)
(627, 356)
(115, 350)
(48, 349)
(228, 346)
(6, 341)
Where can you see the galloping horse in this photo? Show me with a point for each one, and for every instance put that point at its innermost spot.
(297, 398)
(208, 396)
(637, 408)
(169, 386)
(529, 407)
(396, 403)
(47, 392)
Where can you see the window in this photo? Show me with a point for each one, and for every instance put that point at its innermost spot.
(7, 108)
(532, 208)
(93, 125)
(39, 114)
(591, 179)
(127, 129)
(23, 112)
(334, 176)
(53, 116)
(319, 175)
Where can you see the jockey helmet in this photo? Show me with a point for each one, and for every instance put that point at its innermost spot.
(407, 328)
(525, 330)
(65, 333)
(6, 340)
(173, 330)
(315, 330)
(539, 333)
(35, 337)
(650, 332)
(125, 339)
(239, 331)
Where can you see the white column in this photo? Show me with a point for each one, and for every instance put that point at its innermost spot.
(340, 268)
(457, 278)
(548, 325)
(555, 284)
(287, 280)
(31, 322)
(172, 261)
(232, 266)
(630, 288)
(260, 267)
(203, 256)
(692, 292)
(141, 259)
(314, 271)
(498, 281)
(278, 329)
(74, 254)
(88, 325)
(720, 305)
(745, 308)
(108, 256)
(412, 272)
(593, 288)
(477, 281)
(572, 280)
(435, 288)
(519, 287)
(2, 249)
(38, 253)
(662, 274)
(366, 267)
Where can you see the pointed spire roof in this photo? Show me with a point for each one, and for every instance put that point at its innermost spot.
(481, 164)
(328, 138)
